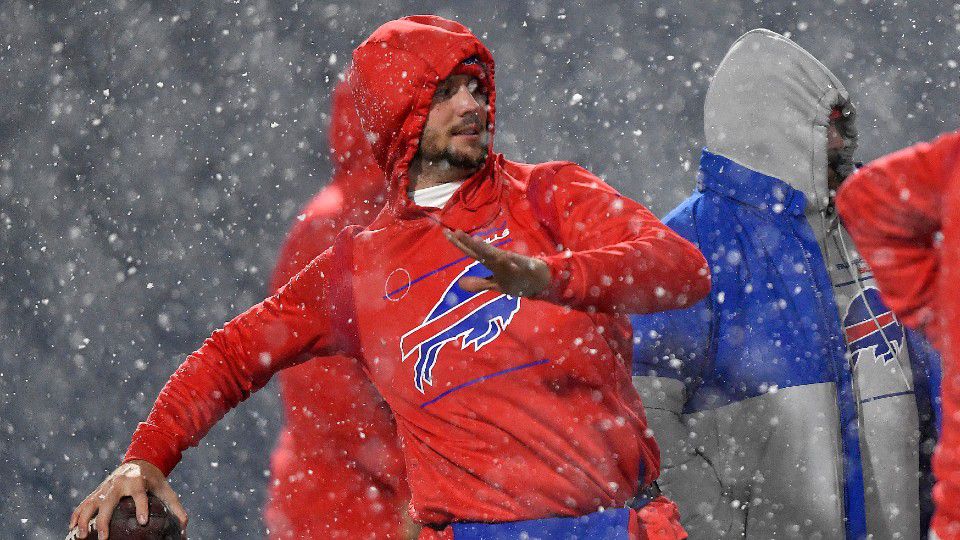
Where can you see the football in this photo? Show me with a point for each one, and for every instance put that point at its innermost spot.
(162, 524)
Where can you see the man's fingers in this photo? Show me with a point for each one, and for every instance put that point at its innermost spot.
(142, 505)
(104, 513)
(457, 241)
(488, 255)
(87, 508)
(172, 500)
(486, 251)
(84, 532)
(475, 284)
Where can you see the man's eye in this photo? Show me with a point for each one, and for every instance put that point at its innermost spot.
(478, 92)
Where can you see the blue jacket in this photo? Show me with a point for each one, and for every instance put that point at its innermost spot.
(771, 321)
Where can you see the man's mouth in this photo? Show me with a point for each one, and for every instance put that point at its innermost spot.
(473, 129)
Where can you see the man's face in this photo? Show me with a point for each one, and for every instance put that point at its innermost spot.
(835, 145)
(456, 128)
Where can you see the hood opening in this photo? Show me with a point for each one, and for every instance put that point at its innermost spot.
(844, 116)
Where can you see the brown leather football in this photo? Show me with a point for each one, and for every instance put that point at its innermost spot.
(162, 524)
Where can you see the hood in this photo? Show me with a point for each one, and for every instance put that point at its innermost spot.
(355, 171)
(768, 108)
(395, 73)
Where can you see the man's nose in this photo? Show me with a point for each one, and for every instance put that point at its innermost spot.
(466, 101)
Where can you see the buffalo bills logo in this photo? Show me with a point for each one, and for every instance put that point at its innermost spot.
(474, 318)
(870, 325)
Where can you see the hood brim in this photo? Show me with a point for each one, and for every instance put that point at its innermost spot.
(768, 108)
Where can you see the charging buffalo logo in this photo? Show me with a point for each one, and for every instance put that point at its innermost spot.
(474, 318)
(871, 326)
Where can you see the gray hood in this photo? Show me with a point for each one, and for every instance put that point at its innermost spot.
(768, 108)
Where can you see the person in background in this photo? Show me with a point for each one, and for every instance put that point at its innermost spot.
(791, 403)
(903, 212)
(336, 471)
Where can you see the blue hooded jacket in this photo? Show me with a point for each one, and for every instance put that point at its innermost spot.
(771, 326)
(771, 320)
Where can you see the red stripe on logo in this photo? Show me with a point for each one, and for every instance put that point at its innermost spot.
(861, 330)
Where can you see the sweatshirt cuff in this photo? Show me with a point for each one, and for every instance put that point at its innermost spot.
(152, 445)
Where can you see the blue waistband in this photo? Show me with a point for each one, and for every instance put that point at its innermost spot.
(607, 524)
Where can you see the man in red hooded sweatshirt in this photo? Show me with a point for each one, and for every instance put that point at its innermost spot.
(491, 319)
(336, 470)
(903, 212)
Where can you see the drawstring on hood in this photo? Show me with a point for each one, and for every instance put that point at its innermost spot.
(394, 76)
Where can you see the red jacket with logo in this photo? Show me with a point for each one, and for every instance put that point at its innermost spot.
(507, 408)
(336, 471)
(896, 208)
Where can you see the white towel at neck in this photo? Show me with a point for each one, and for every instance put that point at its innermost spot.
(435, 196)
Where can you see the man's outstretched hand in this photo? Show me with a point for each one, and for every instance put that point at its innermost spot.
(133, 479)
(513, 274)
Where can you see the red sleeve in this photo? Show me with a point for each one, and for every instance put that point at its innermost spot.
(236, 361)
(893, 210)
(617, 256)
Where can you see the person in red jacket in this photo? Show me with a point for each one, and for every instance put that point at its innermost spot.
(903, 212)
(487, 303)
(336, 470)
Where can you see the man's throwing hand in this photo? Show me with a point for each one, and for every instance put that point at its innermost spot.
(513, 274)
(133, 479)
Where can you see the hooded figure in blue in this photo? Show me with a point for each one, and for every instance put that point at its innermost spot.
(790, 403)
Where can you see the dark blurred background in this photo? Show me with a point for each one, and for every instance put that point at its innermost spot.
(153, 155)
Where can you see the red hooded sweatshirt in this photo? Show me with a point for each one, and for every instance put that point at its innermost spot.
(507, 408)
(895, 209)
(336, 470)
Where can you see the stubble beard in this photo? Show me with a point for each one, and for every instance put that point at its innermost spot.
(835, 170)
(460, 160)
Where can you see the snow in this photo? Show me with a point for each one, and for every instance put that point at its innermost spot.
(154, 155)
